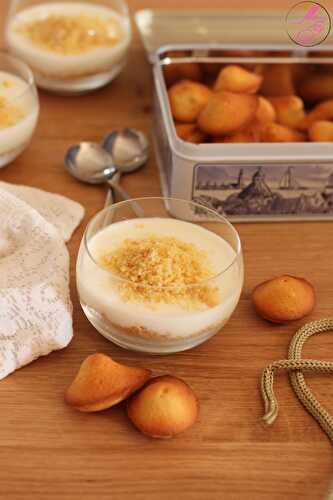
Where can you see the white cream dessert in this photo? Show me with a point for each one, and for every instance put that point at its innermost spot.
(18, 115)
(67, 40)
(160, 277)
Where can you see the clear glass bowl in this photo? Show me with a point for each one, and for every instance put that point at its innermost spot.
(72, 46)
(19, 107)
(159, 318)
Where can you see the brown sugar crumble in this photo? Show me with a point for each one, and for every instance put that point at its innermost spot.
(162, 269)
(64, 34)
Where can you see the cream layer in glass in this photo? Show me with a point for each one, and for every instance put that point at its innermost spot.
(18, 114)
(99, 290)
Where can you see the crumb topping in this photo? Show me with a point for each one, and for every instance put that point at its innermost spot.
(162, 269)
(9, 114)
(69, 35)
(7, 84)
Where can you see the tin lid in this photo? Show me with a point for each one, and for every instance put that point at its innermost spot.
(160, 29)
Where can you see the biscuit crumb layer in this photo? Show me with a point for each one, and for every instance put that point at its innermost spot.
(70, 35)
(162, 269)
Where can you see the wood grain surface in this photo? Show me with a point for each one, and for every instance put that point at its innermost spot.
(49, 451)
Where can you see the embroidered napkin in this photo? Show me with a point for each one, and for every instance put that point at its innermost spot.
(35, 306)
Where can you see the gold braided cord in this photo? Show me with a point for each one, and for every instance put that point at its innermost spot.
(296, 365)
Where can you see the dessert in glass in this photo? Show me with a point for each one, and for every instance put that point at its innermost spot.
(71, 46)
(157, 283)
(19, 107)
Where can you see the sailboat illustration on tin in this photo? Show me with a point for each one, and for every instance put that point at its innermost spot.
(289, 181)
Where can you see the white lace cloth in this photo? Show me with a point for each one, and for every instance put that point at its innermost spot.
(35, 306)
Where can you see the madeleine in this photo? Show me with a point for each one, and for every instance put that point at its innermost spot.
(187, 99)
(227, 112)
(321, 131)
(284, 299)
(289, 110)
(265, 111)
(189, 132)
(323, 111)
(239, 137)
(274, 132)
(101, 383)
(236, 79)
(165, 407)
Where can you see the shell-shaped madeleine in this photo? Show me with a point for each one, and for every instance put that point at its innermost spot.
(321, 131)
(189, 132)
(237, 79)
(323, 111)
(101, 383)
(289, 110)
(274, 132)
(227, 112)
(165, 407)
(285, 298)
(187, 99)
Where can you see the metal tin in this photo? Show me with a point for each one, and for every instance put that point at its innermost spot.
(246, 182)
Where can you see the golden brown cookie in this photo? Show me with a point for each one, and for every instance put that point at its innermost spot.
(236, 79)
(165, 407)
(189, 132)
(323, 111)
(289, 110)
(284, 299)
(239, 137)
(321, 131)
(274, 132)
(187, 99)
(265, 112)
(101, 383)
(227, 112)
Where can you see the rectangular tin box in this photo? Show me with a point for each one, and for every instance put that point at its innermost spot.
(246, 182)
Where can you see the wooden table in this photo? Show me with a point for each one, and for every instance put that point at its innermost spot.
(49, 451)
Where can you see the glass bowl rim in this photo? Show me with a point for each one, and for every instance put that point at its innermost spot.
(238, 251)
(30, 81)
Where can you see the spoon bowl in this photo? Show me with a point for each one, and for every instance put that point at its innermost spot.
(89, 162)
(129, 149)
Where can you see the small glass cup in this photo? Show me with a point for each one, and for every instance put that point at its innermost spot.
(19, 107)
(83, 48)
(163, 327)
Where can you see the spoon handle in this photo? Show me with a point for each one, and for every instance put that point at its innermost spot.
(109, 200)
(121, 193)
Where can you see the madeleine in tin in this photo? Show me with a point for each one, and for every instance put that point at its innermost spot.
(187, 99)
(227, 112)
(234, 78)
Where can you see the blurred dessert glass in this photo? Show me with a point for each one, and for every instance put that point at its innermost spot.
(19, 107)
(72, 46)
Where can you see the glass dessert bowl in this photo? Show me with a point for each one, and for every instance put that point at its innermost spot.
(19, 107)
(72, 46)
(156, 283)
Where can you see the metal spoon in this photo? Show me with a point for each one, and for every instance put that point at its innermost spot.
(89, 162)
(128, 147)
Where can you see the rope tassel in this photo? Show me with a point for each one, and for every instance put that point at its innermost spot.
(296, 366)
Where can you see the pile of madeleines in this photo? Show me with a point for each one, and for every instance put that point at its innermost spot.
(235, 103)
(164, 406)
